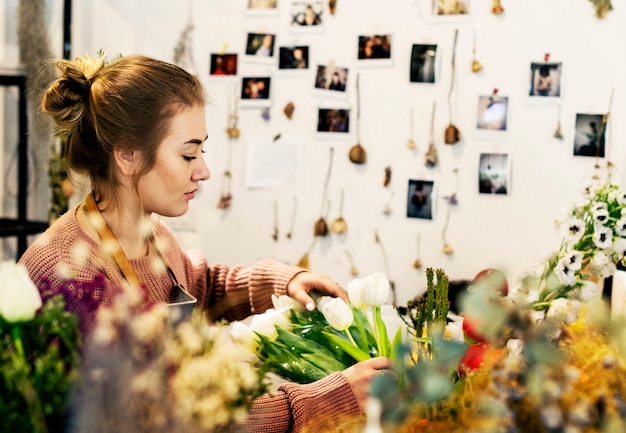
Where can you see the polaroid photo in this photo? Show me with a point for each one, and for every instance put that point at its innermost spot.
(223, 65)
(545, 80)
(450, 11)
(331, 80)
(293, 59)
(260, 48)
(306, 17)
(494, 173)
(255, 92)
(374, 50)
(420, 199)
(262, 7)
(492, 116)
(424, 65)
(333, 123)
(589, 135)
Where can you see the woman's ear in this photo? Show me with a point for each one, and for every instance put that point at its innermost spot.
(127, 161)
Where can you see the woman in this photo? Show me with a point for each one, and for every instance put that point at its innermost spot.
(136, 128)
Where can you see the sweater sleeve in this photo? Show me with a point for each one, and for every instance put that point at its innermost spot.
(236, 292)
(317, 406)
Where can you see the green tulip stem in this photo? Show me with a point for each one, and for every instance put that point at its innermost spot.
(347, 331)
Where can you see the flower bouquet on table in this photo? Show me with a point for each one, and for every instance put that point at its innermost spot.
(39, 355)
(303, 346)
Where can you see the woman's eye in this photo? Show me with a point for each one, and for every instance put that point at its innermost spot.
(189, 158)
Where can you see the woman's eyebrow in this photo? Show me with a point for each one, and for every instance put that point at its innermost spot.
(196, 141)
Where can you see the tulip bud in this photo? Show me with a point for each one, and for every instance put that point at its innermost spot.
(375, 289)
(337, 313)
(19, 298)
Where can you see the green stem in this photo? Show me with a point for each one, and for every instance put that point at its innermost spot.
(347, 331)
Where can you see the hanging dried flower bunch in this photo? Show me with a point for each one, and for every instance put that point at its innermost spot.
(332, 6)
(353, 269)
(558, 133)
(304, 261)
(183, 51)
(339, 225)
(226, 197)
(452, 134)
(476, 65)
(321, 227)
(387, 272)
(452, 201)
(417, 264)
(431, 155)
(496, 7)
(411, 143)
(387, 210)
(602, 7)
(231, 125)
(275, 232)
(289, 109)
(293, 217)
(357, 152)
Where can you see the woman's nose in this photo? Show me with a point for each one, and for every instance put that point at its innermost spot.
(202, 172)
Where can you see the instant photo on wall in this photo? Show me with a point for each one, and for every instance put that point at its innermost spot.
(492, 113)
(494, 173)
(255, 91)
(589, 135)
(374, 50)
(423, 67)
(331, 80)
(223, 65)
(293, 58)
(306, 16)
(420, 199)
(333, 122)
(545, 80)
(260, 47)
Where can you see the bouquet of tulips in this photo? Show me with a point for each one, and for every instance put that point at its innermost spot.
(304, 346)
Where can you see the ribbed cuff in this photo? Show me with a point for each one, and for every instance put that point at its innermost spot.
(269, 277)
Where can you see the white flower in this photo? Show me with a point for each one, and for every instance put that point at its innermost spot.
(264, 323)
(243, 336)
(620, 225)
(19, 298)
(284, 302)
(565, 309)
(373, 290)
(337, 313)
(601, 265)
(603, 237)
(454, 332)
(619, 246)
(354, 294)
(566, 274)
(588, 291)
(574, 260)
(573, 230)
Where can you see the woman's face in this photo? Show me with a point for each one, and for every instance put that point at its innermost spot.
(179, 166)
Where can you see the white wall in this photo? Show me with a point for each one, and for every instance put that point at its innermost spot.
(510, 231)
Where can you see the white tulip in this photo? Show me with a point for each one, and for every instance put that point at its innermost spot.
(337, 313)
(244, 336)
(283, 302)
(19, 298)
(354, 293)
(375, 289)
(264, 323)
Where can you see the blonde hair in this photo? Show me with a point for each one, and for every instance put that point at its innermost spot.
(126, 104)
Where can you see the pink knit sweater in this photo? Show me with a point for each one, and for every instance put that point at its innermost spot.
(64, 250)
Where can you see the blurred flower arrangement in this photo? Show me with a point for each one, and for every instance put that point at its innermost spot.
(304, 346)
(593, 244)
(128, 365)
(39, 355)
(142, 373)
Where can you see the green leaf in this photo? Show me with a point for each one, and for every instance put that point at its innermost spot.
(324, 362)
(394, 350)
(347, 347)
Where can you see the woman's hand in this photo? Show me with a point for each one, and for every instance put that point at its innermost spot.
(361, 374)
(300, 286)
